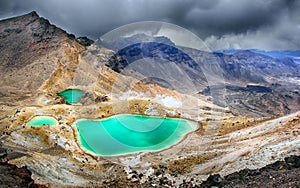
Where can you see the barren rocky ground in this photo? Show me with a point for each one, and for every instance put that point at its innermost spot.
(279, 174)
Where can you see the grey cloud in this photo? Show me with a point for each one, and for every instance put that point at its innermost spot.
(234, 17)
(216, 21)
(282, 36)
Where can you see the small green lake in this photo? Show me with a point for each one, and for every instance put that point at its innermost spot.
(42, 120)
(71, 95)
(125, 134)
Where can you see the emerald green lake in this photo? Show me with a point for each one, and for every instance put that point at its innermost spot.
(125, 134)
(71, 95)
(42, 120)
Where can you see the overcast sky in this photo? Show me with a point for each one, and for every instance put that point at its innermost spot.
(222, 24)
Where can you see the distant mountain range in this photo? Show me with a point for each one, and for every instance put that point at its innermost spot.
(294, 55)
(235, 65)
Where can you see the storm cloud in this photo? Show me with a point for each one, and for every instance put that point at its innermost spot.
(222, 24)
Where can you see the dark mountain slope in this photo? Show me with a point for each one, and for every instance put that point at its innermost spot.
(31, 50)
(26, 38)
(243, 66)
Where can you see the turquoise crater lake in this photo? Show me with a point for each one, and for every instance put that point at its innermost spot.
(42, 120)
(126, 134)
(71, 95)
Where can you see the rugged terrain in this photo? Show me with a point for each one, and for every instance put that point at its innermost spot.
(247, 120)
(245, 81)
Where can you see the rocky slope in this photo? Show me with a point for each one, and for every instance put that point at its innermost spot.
(11, 176)
(32, 50)
(280, 174)
(214, 74)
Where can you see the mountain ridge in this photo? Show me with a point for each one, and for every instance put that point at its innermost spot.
(33, 52)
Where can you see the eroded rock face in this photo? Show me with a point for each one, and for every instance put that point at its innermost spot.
(12, 176)
(280, 174)
(85, 41)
